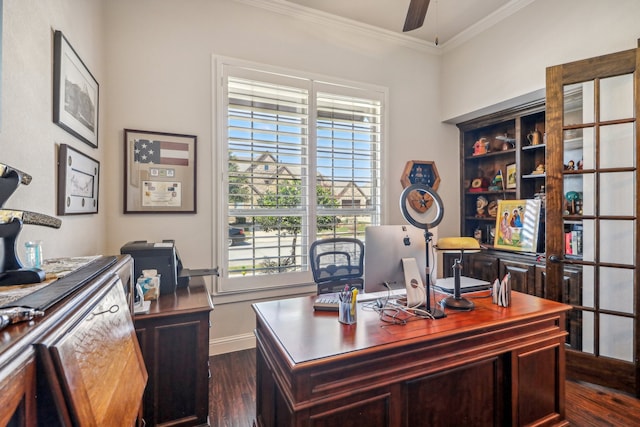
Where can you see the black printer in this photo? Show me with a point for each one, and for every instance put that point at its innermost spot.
(164, 258)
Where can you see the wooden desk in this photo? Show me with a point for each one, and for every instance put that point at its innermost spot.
(492, 366)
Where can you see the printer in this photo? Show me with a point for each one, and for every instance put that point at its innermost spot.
(164, 258)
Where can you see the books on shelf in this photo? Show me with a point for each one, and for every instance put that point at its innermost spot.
(573, 241)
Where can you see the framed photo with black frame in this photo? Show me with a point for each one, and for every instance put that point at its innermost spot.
(75, 93)
(160, 172)
(78, 182)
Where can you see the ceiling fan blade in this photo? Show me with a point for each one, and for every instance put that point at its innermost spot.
(415, 15)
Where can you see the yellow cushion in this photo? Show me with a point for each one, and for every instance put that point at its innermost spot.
(457, 243)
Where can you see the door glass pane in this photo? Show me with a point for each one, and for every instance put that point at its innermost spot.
(617, 145)
(616, 193)
(616, 241)
(579, 149)
(588, 240)
(587, 332)
(578, 103)
(616, 97)
(579, 194)
(616, 339)
(588, 295)
(616, 289)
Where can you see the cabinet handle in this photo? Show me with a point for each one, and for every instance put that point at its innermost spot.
(555, 259)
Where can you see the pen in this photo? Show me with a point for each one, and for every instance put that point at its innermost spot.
(354, 294)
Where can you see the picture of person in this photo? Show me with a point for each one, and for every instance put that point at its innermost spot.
(505, 229)
(516, 220)
(517, 225)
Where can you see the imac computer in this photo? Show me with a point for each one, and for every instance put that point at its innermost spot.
(385, 247)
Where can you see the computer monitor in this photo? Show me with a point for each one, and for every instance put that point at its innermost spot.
(384, 248)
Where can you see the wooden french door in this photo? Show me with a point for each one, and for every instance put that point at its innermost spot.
(592, 231)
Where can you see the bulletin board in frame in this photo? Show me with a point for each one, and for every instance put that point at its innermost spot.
(160, 172)
(78, 182)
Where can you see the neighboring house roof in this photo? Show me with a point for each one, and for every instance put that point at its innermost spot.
(266, 177)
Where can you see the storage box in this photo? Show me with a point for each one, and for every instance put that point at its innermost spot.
(157, 256)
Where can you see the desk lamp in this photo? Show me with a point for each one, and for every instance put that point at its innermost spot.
(422, 207)
(457, 244)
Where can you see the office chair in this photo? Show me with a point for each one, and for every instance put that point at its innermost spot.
(336, 262)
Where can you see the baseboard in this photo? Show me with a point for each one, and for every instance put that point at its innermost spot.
(232, 343)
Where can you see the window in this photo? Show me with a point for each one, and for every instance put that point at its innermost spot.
(301, 161)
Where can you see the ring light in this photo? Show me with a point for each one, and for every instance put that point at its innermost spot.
(417, 203)
(422, 207)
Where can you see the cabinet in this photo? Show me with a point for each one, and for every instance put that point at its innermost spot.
(502, 158)
(527, 270)
(174, 337)
(80, 363)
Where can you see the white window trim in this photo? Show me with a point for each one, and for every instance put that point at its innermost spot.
(298, 282)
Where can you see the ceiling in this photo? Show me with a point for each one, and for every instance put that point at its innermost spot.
(447, 19)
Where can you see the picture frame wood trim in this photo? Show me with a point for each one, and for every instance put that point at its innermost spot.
(160, 172)
(78, 182)
(75, 93)
(512, 177)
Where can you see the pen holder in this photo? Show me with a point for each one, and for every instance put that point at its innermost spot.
(347, 312)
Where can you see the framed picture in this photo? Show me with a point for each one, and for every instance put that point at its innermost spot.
(78, 176)
(511, 176)
(75, 93)
(517, 225)
(160, 172)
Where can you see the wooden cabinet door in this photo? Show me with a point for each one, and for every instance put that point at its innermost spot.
(93, 362)
(522, 275)
(17, 392)
(481, 266)
(174, 339)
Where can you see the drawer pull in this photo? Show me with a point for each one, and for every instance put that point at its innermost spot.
(113, 309)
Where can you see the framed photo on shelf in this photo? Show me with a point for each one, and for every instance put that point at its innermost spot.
(511, 176)
(78, 179)
(517, 225)
(75, 93)
(160, 172)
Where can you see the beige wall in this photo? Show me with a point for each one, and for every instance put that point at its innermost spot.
(28, 137)
(509, 60)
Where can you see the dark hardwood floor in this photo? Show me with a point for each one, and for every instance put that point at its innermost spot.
(233, 382)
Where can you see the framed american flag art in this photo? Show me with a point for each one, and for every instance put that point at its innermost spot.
(160, 172)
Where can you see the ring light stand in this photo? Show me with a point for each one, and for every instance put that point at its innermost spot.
(425, 199)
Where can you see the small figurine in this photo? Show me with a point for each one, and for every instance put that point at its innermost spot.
(493, 208)
(480, 147)
(539, 169)
(570, 166)
(481, 206)
(580, 164)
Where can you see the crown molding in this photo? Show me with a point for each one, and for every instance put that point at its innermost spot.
(484, 24)
(296, 11)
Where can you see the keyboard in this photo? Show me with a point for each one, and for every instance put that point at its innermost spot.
(326, 302)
